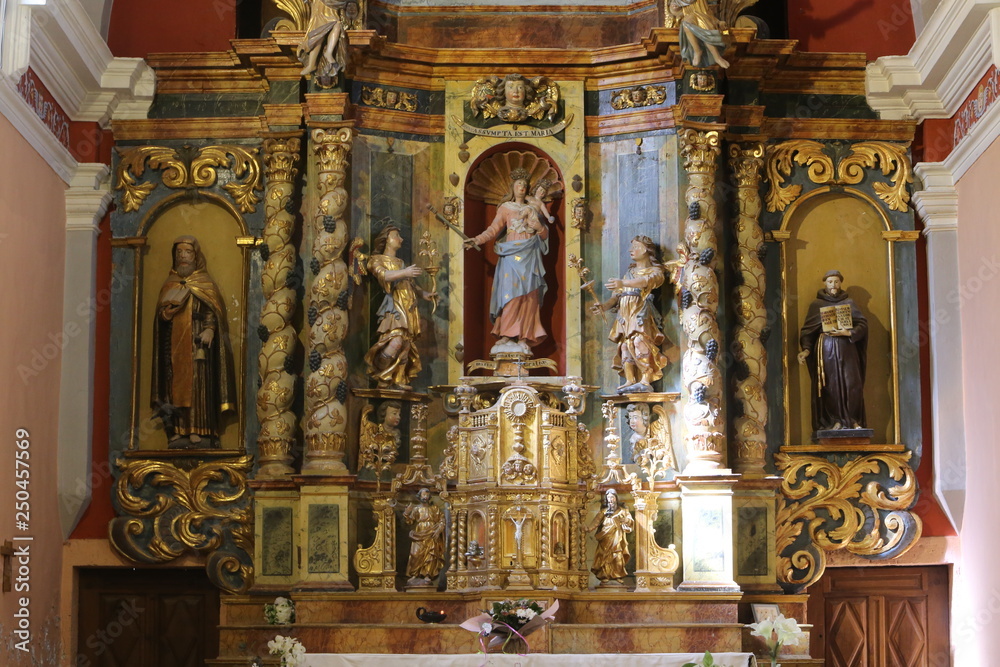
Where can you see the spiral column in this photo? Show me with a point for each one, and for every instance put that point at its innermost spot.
(326, 383)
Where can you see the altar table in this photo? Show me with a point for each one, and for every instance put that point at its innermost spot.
(530, 660)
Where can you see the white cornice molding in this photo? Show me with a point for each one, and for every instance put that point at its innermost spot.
(956, 47)
(88, 197)
(26, 121)
(75, 64)
(974, 143)
(937, 202)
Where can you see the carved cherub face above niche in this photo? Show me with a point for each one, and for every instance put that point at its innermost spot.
(515, 98)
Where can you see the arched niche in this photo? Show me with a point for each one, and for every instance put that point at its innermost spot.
(217, 226)
(477, 530)
(480, 265)
(844, 231)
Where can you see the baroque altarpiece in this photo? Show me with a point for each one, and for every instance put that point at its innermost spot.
(368, 255)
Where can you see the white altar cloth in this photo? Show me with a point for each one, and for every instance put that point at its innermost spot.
(530, 660)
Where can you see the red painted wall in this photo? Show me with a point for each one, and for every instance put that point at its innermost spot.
(876, 28)
(157, 26)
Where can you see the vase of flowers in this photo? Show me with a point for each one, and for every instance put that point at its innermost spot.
(505, 627)
(777, 632)
(289, 649)
(280, 612)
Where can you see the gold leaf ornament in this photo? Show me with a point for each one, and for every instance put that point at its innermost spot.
(867, 519)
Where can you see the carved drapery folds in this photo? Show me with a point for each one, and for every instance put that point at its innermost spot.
(169, 511)
(838, 164)
(186, 168)
(746, 162)
(277, 384)
(860, 505)
(326, 383)
(704, 429)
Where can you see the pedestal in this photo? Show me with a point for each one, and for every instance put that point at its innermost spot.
(325, 534)
(707, 511)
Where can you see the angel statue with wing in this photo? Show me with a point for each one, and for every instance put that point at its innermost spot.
(652, 444)
(393, 360)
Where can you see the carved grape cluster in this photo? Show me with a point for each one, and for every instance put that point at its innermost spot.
(315, 360)
(262, 333)
(313, 315)
(314, 266)
(329, 224)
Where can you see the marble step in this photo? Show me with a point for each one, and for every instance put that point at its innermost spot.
(250, 640)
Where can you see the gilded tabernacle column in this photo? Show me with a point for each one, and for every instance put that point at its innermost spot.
(326, 383)
(704, 432)
(277, 384)
(746, 162)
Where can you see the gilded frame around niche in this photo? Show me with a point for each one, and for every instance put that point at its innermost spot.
(245, 242)
(889, 236)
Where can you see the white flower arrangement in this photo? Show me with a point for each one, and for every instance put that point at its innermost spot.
(776, 633)
(290, 649)
(281, 612)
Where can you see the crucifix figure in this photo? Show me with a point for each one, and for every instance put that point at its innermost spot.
(519, 530)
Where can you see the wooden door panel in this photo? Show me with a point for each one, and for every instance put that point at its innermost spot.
(154, 618)
(906, 636)
(881, 617)
(848, 623)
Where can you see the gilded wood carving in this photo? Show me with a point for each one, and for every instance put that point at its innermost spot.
(704, 435)
(279, 338)
(326, 384)
(838, 164)
(169, 511)
(851, 506)
(746, 163)
(185, 169)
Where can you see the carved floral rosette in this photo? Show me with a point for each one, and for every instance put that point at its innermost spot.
(166, 511)
(326, 384)
(858, 502)
(279, 339)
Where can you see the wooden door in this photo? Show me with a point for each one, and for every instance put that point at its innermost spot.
(153, 618)
(881, 617)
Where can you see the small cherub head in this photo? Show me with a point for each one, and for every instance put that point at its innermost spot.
(390, 413)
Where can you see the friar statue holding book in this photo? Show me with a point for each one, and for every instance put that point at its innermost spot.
(833, 344)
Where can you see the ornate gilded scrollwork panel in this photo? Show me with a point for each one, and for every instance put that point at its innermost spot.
(186, 168)
(166, 510)
(859, 502)
(838, 164)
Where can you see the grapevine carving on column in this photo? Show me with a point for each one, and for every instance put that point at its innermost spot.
(704, 429)
(746, 162)
(326, 384)
(277, 384)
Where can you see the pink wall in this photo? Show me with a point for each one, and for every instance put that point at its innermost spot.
(32, 231)
(976, 609)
